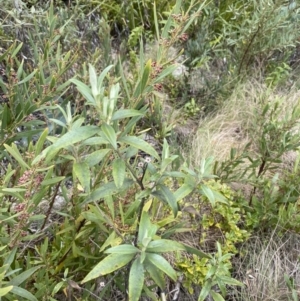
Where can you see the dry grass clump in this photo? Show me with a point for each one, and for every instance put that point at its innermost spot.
(263, 266)
(237, 122)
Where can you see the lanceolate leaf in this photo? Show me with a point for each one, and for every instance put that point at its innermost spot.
(41, 141)
(16, 154)
(103, 74)
(146, 229)
(136, 280)
(126, 113)
(169, 198)
(109, 264)
(230, 281)
(216, 296)
(95, 141)
(23, 293)
(70, 138)
(144, 80)
(101, 192)
(17, 280)
(155, 273)
(6, 117)
(93, 80)
(196, 251)
(82, 172)
(118, 172)
(96, 156)
(164, 245)
(84, 90)
(209, 194)
(205, 290)
(52, 181)
(165, 73)
(162, 264)
(28, 77)
(140, 144)
(122, 249)
(5, 290)
(183, 191)
(109, 133)
(107, 189)
(220, 197)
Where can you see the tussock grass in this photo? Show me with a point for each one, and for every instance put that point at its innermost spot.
(236, 123)
(266, 261)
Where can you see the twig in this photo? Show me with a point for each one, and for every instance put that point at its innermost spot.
(177, 288)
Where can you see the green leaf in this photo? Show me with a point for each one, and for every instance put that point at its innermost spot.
(5, 290)
(57, 287)
(17, 280)
(74, 136)
(140, 144)
(95, 141)
(196, 252)
(209, 194)
(23, 293)
(123, 249)
(103, 74)
(10, 258)
(126, 113)
(162, 264)
(230, 281)
(96, 157)
(146, 229)
(211, 272)
(132, 122)
(118, 172)
(82, 172)
(6, 118)
(16, 154)
(165, 73)
(105, 190)
(167, 161)
(194, 15)
(157, 29)
(164, 245)
(70, 138)
(145, 76)
(205, 291)
(183, 191)
(13, 189)
(136, 280)
(93, 81)
(216, 296)
(20, 69)
(52, 181)
(144, 80)
(40, 143)
(84, 90)
(108, 265)
(170, 198)
(101, 192)
(155, 273)
(109, 133)
(220, 197)
(145, 242)
(28, 78)
(165, 151)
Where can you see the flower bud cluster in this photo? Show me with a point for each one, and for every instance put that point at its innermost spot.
(26, 177)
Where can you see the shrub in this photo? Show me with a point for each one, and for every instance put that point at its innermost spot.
(82, 187)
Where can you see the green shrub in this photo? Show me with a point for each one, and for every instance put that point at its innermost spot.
(119, 203)
(233, 38)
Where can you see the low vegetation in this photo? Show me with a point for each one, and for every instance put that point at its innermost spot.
(149, 150)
